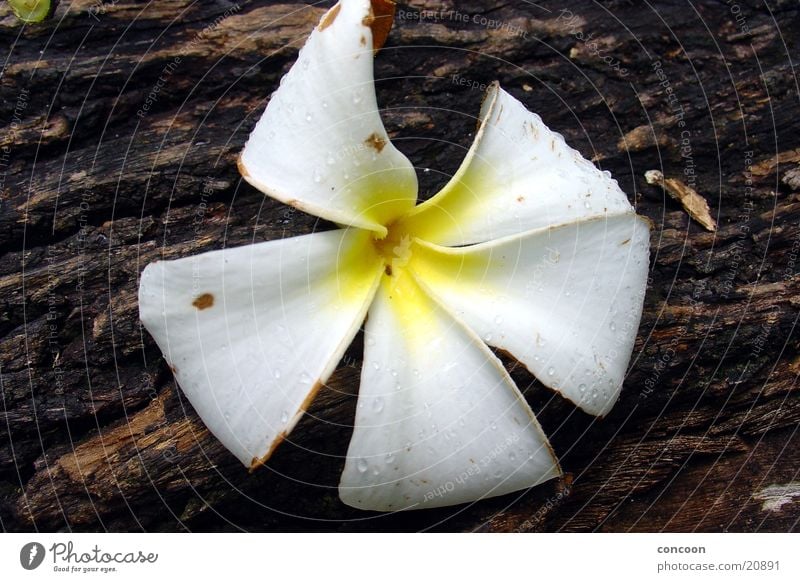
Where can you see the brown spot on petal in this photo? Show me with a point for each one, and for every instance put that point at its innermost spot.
(204, 301)
(388, 270)
(491, 93)
(626, 241)
(380, 20)
(314, 389)
(363, 40)
(256, 462)
(376, 142)
(329, 17)
(520, 198)
(242, 169)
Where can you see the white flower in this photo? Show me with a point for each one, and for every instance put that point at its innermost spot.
(529, 248)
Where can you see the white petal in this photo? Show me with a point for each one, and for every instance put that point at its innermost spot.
(320, 145)
(251, 333)
(517, 176)
(565, 301)
(439, 421)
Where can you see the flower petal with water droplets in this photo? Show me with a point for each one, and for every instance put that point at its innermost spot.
(439, 421)
(565, 301)
(517, 176)
(251, 333)
(320, 145)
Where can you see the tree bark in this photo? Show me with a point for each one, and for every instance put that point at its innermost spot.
(121, 126)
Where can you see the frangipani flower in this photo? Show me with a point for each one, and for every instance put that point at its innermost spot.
(529, 249)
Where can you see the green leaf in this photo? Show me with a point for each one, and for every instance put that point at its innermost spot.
(32, 10)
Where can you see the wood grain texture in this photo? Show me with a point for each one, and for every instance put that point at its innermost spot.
(120, 123)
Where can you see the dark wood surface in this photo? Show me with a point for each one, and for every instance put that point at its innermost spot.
(120, 124)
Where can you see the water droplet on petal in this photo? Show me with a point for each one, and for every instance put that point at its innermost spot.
(377, 404)
(498, 320)
(493, 426)
(551, 371)
(285, 416)
(612, 326)
(277, 374)
(362, 465)
(511, 456)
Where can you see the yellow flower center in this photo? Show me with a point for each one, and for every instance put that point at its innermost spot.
(394, 248)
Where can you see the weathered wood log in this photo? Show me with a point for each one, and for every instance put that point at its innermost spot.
(121, 123)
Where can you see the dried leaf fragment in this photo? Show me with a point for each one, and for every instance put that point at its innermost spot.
(692, 202)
